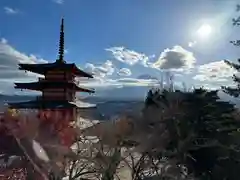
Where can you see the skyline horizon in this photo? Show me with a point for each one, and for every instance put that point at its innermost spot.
(194, 53)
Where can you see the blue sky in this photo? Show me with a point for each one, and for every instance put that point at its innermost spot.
(121, 40)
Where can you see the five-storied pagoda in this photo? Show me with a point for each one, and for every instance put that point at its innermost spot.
(58, 88)
(57, 108)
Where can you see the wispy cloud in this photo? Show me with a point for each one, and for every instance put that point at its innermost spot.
(103, 77)
(9, 72)
(120, 82)
(128, 56)
(10, 58)
(105, 74)
(192, 43)
(217, 71)
(4, 41)
(124, 72)
(66, 51)
(11, 11)
(58, 1)
(147, 76)
(101, 70)
(137, 82)
(175, 58)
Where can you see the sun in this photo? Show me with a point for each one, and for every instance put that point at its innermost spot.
(204, 31)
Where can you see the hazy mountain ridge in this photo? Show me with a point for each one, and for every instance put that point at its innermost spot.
(108, 107)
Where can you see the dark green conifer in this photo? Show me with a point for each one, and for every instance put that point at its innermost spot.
(204, 135)
(234, 91)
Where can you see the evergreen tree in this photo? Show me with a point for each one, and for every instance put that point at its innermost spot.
(203, 134)
(234, 91)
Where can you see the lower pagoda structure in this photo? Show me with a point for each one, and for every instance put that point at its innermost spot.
(58, 88)
(41, 145)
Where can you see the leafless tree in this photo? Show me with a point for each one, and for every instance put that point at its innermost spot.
(95, 159)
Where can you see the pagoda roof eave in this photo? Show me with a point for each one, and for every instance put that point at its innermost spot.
(78, 72)
(44, 104)
(43, 68)
(44, 85)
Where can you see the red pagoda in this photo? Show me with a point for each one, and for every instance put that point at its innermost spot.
(57, 108)
(58, 88)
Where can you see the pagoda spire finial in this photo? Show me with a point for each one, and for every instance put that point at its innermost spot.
(61, 43)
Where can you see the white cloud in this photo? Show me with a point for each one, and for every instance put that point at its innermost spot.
(66, 51)
(58, 1)
(107, 82)
(124, 72)
(102, 70)
(192, 43)
(10, 56)
(215, 74)
(4, 41)
(9, 10)
(175, 59)
(6, 87)
(9, 60)
(127, 56)
(102, 77)
(147, 76)
(137, 82)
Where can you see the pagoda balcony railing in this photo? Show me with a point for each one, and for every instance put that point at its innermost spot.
(59, 80)
(77, 82)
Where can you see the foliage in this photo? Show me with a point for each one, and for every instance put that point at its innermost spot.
(236, 22)
(94, 160)
(179, 135)
(202, 132)
(234, 91)
(38, 144)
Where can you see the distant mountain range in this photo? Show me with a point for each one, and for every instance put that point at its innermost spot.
(107, 108)
(14, 98)
(124, 93)
(112, 102)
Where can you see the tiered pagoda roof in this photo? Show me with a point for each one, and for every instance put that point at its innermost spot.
(44, 84)
(50, 85)
(62, 66)
(50, 104)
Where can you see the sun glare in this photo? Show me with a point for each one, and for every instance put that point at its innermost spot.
(204, 30)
